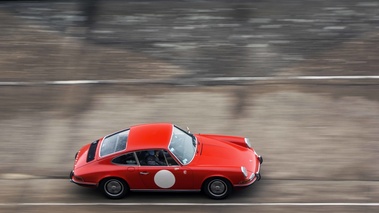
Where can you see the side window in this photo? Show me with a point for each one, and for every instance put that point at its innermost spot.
(151, 158)
(127, 159)
(170, 160)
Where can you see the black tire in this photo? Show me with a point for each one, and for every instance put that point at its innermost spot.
(217, 188)
(114, 188)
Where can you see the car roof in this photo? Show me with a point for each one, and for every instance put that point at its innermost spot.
(149, 136)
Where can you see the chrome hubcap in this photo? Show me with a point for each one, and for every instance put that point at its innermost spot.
(113, 187)
(217, 187)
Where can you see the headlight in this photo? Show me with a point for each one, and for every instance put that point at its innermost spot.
(247, 141)
(244, 171)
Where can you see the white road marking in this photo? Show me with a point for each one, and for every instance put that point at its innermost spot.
(189, 204)
(347, 77)
(215, 79)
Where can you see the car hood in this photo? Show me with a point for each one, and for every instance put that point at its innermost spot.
(217, 150)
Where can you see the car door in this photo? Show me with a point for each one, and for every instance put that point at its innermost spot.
(168, 175)
(127, 168)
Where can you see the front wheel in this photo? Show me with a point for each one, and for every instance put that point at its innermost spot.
(217, 188)
(114, 188)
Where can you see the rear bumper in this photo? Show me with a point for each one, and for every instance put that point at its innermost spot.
(80, 183)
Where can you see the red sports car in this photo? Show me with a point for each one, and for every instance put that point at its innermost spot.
(166, 158)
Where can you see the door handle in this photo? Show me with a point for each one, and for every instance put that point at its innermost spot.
(144, 173)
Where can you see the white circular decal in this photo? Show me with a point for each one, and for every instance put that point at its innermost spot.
(164, 179)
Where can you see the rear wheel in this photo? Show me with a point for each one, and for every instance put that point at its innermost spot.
(114, 188)
(217, 188)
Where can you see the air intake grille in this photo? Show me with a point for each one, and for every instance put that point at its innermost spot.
(92, 151)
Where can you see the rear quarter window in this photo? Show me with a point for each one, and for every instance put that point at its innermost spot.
(127, 159)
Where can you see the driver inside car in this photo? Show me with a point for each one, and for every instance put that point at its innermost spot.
(153, 159)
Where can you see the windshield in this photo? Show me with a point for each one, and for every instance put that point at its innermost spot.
(183, 145)
(114, 143)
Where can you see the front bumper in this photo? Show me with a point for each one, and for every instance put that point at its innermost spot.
(254, 176)
(260, 159)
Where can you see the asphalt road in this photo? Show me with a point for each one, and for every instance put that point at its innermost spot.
(319, 138)
(319, 143)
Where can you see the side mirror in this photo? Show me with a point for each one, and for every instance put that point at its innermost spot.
(188, 130)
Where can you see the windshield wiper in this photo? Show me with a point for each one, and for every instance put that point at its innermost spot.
(194, 140)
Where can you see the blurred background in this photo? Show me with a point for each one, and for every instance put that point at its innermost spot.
(164, 61)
